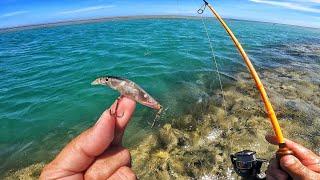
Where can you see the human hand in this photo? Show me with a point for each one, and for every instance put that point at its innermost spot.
(303, 165)
(97, 152)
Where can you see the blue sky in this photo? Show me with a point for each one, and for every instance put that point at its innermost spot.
(25, 12)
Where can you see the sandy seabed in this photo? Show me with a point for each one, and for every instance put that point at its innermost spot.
(198, 144)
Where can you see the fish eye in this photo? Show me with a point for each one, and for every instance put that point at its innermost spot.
(107, 79)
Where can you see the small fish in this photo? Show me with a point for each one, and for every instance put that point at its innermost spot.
(131, 90)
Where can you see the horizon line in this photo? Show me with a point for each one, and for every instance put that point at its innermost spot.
(101, 19)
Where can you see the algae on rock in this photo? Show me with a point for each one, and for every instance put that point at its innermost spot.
(199, 144)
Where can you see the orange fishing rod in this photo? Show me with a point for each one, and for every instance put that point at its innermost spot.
(283, 150)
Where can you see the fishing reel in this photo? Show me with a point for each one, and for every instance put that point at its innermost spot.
(247, 165)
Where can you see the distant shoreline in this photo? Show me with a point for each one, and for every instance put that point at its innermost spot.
(86, 21)
(103, 19)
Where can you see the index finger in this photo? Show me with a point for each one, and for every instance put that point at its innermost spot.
(299, 151)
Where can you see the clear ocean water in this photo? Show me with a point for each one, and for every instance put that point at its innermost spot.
(45, 93)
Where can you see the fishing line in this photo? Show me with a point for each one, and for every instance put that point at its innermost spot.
(283, 149)
(200, 12)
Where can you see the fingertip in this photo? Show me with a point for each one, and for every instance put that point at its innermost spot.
(104, 116)
(271, 139)
(267, 136)
(105, 120)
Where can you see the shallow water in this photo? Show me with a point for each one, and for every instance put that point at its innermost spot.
(46, 97)
(198, 145)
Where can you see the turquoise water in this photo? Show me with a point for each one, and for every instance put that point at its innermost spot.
(45, 93)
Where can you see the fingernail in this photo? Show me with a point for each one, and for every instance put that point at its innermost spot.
(268, 135)
(288, 160)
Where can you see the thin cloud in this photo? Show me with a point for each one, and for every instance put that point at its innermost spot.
(15, 13)
(291, 5)
(87, 9)
(315, 1)
(307, 1)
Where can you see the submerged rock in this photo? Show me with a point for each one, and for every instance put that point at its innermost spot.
(197, 145)
(27, 173)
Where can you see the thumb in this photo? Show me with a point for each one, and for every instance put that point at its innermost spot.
(296, 169)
